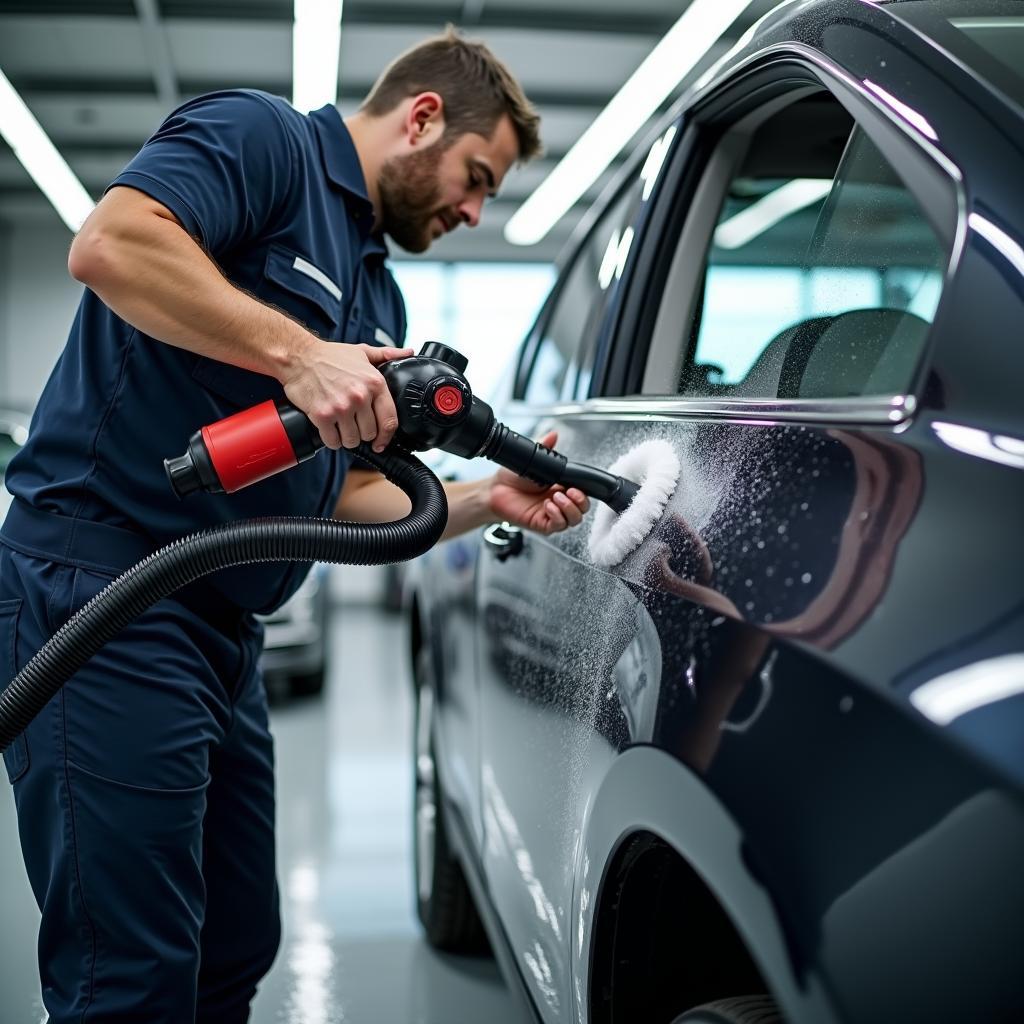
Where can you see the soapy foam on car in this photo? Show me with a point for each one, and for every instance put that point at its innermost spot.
(655, 466)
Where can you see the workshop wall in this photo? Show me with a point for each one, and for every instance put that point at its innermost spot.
(38, 299)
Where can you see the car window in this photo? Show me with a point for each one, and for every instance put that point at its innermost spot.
(817, 284)
(562, 360)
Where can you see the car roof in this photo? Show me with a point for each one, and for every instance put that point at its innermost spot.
(803, 27)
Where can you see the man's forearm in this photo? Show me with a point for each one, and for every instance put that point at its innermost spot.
(468, 506)
(370, 498)
(151, 273)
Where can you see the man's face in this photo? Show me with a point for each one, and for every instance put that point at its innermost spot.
(429, 192)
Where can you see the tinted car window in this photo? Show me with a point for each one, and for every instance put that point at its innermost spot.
(563, 358)
(816, 286)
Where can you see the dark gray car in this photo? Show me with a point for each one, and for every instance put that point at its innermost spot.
(777, 752)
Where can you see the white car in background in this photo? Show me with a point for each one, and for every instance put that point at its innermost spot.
(294, 643)
(13, 434)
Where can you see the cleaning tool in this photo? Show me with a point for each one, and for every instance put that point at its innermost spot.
(655, 464)
(436, 409)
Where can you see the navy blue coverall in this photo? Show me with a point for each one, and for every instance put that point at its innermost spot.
(145, 788)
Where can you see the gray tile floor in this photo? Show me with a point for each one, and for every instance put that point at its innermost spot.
(352, 952)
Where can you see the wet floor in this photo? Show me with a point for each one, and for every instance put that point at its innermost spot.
(352, 951)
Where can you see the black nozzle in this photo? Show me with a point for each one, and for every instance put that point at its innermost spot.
(544, 466)
(194, 470)
(182, 474)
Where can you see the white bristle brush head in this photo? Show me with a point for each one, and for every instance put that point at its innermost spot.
(653, 465)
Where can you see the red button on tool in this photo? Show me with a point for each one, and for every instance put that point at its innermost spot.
(448, 400)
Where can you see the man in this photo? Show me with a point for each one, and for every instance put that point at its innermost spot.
(223, 266)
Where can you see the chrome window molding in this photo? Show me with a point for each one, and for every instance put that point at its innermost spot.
(880, 410)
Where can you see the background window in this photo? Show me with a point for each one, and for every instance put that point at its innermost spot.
(482, 309)
(563, 359)
(820, 282)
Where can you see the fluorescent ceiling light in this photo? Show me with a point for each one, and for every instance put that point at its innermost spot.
(701, 25)
(39, 156)
(316, 40)
(777, 205)
(946, 698)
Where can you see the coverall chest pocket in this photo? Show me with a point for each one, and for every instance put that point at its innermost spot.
(16, 755)
(303, 290)
(298, 288)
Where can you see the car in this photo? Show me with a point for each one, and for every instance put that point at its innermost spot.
(295, 651)
(770, 765)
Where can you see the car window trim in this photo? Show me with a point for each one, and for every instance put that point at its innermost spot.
(791, 66)
(889, 410)
(579, 242)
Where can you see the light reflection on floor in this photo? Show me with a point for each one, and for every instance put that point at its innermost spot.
(352, 951)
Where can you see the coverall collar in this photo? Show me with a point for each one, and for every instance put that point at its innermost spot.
(341, 162)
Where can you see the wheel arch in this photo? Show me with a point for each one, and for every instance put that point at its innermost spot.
(654, 832)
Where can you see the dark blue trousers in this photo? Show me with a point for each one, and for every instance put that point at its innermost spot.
(145, 800)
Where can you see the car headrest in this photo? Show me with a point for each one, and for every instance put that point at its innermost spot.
(860, 352)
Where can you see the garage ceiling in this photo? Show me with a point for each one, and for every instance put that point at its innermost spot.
(101, 74)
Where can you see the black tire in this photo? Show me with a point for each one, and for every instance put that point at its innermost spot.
(740, 1010)
(443, 900)
(308, 684)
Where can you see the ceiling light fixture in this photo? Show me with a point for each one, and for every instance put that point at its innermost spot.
(316, 41)
(776, 206)
(700, 26)
(39, 156)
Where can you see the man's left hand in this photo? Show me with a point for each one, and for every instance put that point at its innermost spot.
(516, 500)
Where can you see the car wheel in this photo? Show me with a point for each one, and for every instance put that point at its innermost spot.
(741, 1010)
(307, 684)
(443, 900)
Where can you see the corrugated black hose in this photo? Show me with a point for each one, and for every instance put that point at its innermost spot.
(186, 560)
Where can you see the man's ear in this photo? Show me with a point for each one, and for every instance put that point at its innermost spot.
(424, 121)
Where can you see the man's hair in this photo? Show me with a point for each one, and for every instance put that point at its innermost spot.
(476, 87)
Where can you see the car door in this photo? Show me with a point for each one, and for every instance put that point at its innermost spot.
(779, 354)
(526, 590)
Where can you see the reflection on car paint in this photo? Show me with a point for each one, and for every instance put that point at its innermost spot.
(1006, 245)
(904, 110)
(1008, 451)
(636, 676)
(956, 693)
(765, 679)
(502, 825)
(505, 842)
(538, 966)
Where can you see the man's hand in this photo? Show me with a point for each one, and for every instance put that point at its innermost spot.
(542, 509)
(341, 390)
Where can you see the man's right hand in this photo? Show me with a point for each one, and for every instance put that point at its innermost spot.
(340, 389)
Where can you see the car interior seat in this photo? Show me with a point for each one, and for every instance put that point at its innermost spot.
(857, 352)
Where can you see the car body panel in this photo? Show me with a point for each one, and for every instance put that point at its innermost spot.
(756, 684)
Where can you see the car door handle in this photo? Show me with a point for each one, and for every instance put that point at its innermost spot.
(504, 540)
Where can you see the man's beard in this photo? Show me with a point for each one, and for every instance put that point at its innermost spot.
(410, 197)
